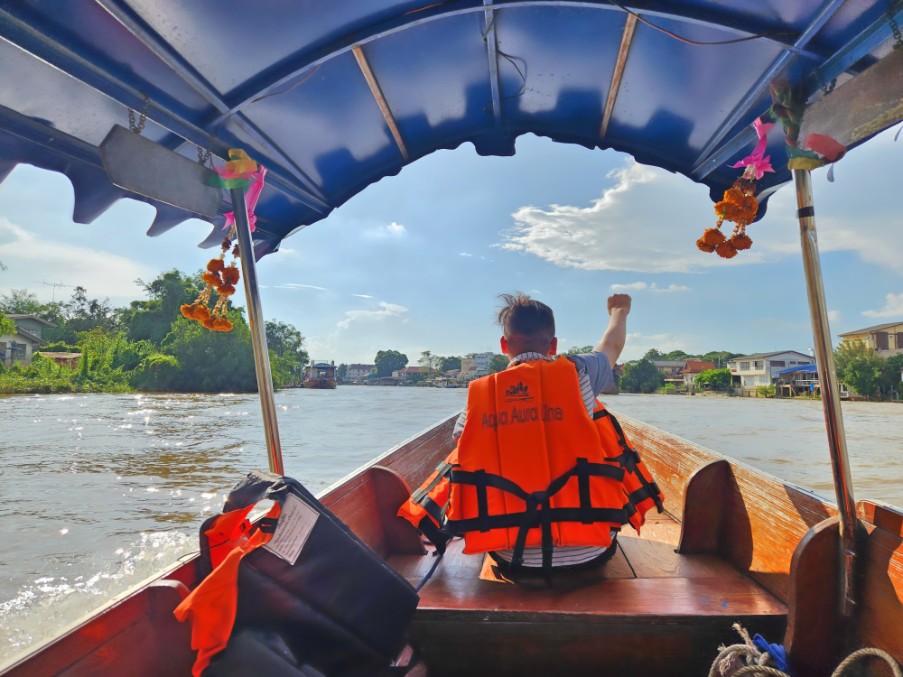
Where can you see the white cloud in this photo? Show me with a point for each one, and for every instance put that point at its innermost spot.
(393, 230)
(31, 261)
(653, 287)
(363, 296)
(833, 316)
(648, 220)
(295, 285)
(386, 311)
(893, 307)
(468, 255)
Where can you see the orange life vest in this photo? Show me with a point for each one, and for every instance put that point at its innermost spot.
(426, 507)
(533, 469)
(212, 605)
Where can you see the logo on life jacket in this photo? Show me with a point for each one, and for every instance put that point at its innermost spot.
(518, 392)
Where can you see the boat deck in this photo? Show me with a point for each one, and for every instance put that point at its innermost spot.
(649, 610)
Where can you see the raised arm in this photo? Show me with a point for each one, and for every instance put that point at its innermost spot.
(614, 338)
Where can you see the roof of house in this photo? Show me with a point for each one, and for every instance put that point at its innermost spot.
(668, 363)
(17, 316)
(869, 330)
(696, 366)
(31, 337)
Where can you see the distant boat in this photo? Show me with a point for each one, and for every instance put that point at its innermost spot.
(320, 375)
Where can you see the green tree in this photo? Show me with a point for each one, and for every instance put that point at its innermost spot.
(23, 302)
(81, 314)
(152, 319)
(578, 350)
(654, 354)
(428, 360)
(446, 364)
(714, 379)
(641, 377)
(388, 361)
(889, 378)
(287, 355)
(719, 357)
(212, 361)
(859, 368)
(7, 326)
(341, 371)
(498, 363)
(677, 356)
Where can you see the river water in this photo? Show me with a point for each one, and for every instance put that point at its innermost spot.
(102, 491)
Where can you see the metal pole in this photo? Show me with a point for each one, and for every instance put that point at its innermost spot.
(830, 393)
(258, 331)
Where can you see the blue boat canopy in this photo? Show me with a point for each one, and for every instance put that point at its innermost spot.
(333, 96)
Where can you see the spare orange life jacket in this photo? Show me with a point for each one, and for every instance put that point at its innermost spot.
(212, 605)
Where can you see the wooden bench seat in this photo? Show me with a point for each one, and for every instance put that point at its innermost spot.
(615, 620)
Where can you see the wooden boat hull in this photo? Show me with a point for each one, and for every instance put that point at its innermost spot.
(734, 545)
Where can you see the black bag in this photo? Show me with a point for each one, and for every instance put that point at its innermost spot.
(339, 608)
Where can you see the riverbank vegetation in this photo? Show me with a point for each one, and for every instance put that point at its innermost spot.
(148, 346)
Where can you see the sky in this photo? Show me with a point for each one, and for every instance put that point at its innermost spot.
(416, 262)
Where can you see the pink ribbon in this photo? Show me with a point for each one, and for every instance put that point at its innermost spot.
(757, 163)
(252, 195)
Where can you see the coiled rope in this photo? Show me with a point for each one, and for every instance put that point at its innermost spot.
(746, 660)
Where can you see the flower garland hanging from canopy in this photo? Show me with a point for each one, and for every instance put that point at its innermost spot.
(240, 172)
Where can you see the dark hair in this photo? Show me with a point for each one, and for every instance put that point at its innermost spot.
(527, 324)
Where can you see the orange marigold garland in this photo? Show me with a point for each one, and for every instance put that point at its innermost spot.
(219, 277)
(739, 204)
(239, 172)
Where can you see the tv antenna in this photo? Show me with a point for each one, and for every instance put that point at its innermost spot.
(54, 285)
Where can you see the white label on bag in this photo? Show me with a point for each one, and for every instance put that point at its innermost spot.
(296, 521)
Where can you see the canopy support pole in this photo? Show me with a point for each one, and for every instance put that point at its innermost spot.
(830, 391)
(258, 331)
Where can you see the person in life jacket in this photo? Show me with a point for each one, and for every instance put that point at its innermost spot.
(542, 475)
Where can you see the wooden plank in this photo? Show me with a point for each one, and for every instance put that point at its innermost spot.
(861, 107)
(880, 609)
(814, 602)
(656, 559)
(702, 512)
(391, 492)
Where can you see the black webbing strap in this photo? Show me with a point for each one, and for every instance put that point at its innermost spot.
(442, 470)
(433, 509)
(650, 490)
(538, 508)
(438, 536)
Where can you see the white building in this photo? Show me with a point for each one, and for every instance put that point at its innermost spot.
(475, 364)
(751, 371)
(359, 372)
